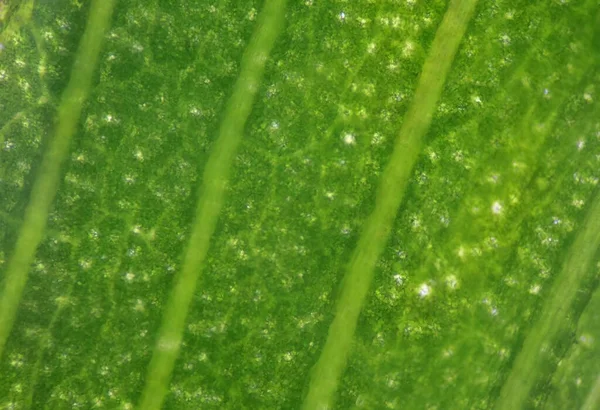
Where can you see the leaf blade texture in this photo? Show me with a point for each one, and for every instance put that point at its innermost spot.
(341, 205)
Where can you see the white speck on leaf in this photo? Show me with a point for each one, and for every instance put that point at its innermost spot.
(424, 290)
(349, 139)
(497, 208)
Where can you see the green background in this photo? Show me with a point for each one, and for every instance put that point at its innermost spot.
(493, 220)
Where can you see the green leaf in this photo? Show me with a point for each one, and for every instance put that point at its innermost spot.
(285, 205)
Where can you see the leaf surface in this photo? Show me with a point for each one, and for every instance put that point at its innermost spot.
(319, 205)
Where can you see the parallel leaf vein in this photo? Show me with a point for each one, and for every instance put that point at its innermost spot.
(45, 186)
(330, 365)
(215, 177)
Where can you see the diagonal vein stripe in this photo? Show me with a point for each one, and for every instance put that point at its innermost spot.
(327, 371)
(46, 184)
(209, 205)
(593, 399)
(555, 312)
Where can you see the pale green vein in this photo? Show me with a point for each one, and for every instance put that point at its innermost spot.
(593, 399)
(209, 205)
(46, 183)
(328, 369)
(554, 314)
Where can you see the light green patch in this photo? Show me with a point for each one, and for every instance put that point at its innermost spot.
(14, 17)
